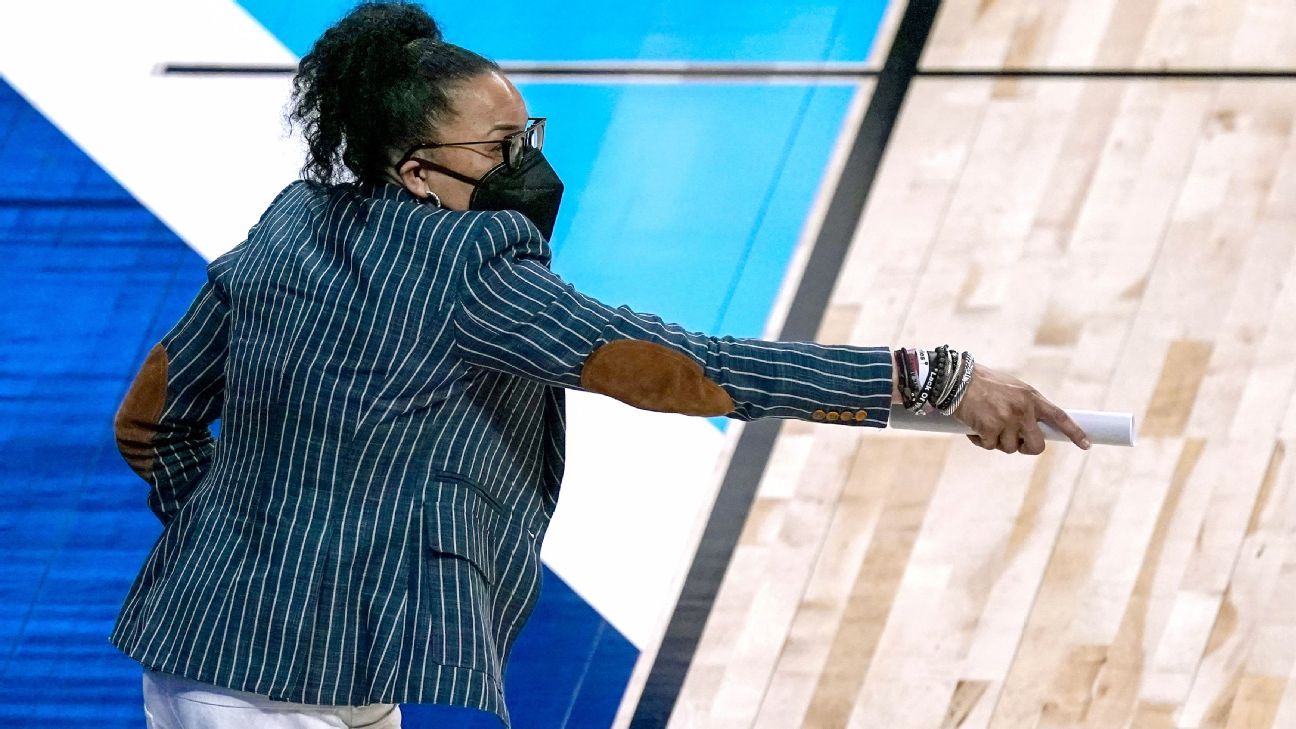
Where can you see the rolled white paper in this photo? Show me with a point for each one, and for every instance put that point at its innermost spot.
(1102, 427)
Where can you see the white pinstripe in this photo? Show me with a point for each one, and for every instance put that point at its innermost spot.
(343, 315)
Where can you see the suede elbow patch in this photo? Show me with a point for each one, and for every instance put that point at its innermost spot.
(653, 377)
(137, 418)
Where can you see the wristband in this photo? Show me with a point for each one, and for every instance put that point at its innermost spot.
(933, 380)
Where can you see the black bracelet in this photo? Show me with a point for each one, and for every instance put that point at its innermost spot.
(934, 378)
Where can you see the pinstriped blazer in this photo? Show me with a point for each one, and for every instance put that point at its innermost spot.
(389, 377)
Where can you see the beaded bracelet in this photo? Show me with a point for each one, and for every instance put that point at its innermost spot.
(964, 376)
(935, 381)
(941, 379)
(951, 380)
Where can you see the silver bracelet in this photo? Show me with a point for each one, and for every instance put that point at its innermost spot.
(951, 379)
(964, 382)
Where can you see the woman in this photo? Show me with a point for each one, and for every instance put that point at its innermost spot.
(387, 357)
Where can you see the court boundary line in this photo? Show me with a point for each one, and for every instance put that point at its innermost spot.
(776, 70)
(1152, 74)
(751, 455)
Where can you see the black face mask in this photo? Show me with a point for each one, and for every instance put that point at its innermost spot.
(532, 189)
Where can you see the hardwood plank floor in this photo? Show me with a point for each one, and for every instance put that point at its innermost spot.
(1123, 245)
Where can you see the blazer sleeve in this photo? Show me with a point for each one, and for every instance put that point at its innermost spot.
(162, 425)
(512, 314)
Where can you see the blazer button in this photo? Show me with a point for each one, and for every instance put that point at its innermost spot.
(861, 415)
(833, 416)
(819, 415)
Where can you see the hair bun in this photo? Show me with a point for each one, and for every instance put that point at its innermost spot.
(399, 22)
(371, 84)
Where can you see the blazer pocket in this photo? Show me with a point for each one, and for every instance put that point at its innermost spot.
(462, 523)
(457, 574)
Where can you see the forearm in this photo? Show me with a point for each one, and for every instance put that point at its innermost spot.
(803, 380)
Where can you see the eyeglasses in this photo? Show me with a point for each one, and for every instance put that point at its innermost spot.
(515, 148)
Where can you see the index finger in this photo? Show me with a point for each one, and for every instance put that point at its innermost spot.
(1057, 417)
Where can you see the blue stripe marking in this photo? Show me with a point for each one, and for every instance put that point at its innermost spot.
(592, 30)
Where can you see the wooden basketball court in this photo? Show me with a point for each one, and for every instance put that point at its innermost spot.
(1123, 242)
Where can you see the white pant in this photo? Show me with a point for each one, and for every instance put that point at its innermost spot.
(176, 702)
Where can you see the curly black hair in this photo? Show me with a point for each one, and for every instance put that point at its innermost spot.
(374, 84)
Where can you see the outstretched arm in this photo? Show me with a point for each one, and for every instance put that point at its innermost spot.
(512, 314)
